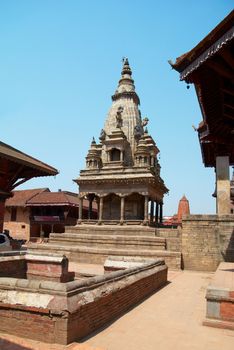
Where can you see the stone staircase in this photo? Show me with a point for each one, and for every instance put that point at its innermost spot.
(93, 244)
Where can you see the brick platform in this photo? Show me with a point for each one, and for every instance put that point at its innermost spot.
(63, 312)
(220, 298)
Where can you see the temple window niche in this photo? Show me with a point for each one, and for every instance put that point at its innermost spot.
(115, 155)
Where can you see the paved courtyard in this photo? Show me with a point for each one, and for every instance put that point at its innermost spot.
(168, 320)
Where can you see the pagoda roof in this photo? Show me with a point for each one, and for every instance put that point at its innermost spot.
(17, 167)
(209, 65)
(37, 167)
(206, 48)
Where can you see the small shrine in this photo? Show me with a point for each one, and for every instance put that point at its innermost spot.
(122, 171)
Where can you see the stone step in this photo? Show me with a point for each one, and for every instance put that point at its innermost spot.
(94, 255)
(112, 230)
(107, 241)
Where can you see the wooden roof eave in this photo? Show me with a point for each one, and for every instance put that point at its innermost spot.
(18, 157)
(206, 48)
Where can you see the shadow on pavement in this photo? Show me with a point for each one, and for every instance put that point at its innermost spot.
(10, 345)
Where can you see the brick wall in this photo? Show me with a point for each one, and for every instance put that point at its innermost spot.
(72, 311)
(206, 241)
(13, 267)
(173, 238)
(33, 323)
(93, 315)
(19, 229)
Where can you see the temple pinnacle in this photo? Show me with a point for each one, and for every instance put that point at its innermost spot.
(126, 86)
(126, 68)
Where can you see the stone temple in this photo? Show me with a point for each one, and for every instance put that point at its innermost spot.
(122, 171)
(122, 178)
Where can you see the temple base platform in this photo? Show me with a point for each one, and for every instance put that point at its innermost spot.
(93, 244)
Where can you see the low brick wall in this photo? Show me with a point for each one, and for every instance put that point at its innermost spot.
(12, 264)
(49, 267)
(64, 312)
(220, 298)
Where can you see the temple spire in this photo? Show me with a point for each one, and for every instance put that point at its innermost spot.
(126, 87)
(124, 114)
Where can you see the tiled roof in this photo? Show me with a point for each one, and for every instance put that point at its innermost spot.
(43, 197)
(54, 198)
(20, 198)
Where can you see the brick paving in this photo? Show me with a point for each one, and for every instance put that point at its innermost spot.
(170, 319)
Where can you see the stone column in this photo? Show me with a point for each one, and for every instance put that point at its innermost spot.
(156, 213)
(80, 209)
(223, 185)
(151, 211)
(122, 209)
(146, 219)
(100, 210)
(91, 197)
(121, 156)
(161, 212)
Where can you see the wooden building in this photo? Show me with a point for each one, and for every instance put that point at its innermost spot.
(210, 67)
(16, 168)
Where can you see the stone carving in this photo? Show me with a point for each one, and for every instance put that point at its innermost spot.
(119, 120)
(145, 121)
(102, 136)
(137, 131)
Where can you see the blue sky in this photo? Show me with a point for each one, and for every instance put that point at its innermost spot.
(60, 63)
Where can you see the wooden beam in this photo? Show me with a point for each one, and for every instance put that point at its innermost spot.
(227, 56)
(21, 182)
(226, 115)
(221, 70)
(228, 105)
(16, 176)
(228, 91)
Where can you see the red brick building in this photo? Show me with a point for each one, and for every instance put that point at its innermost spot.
(36, 213)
